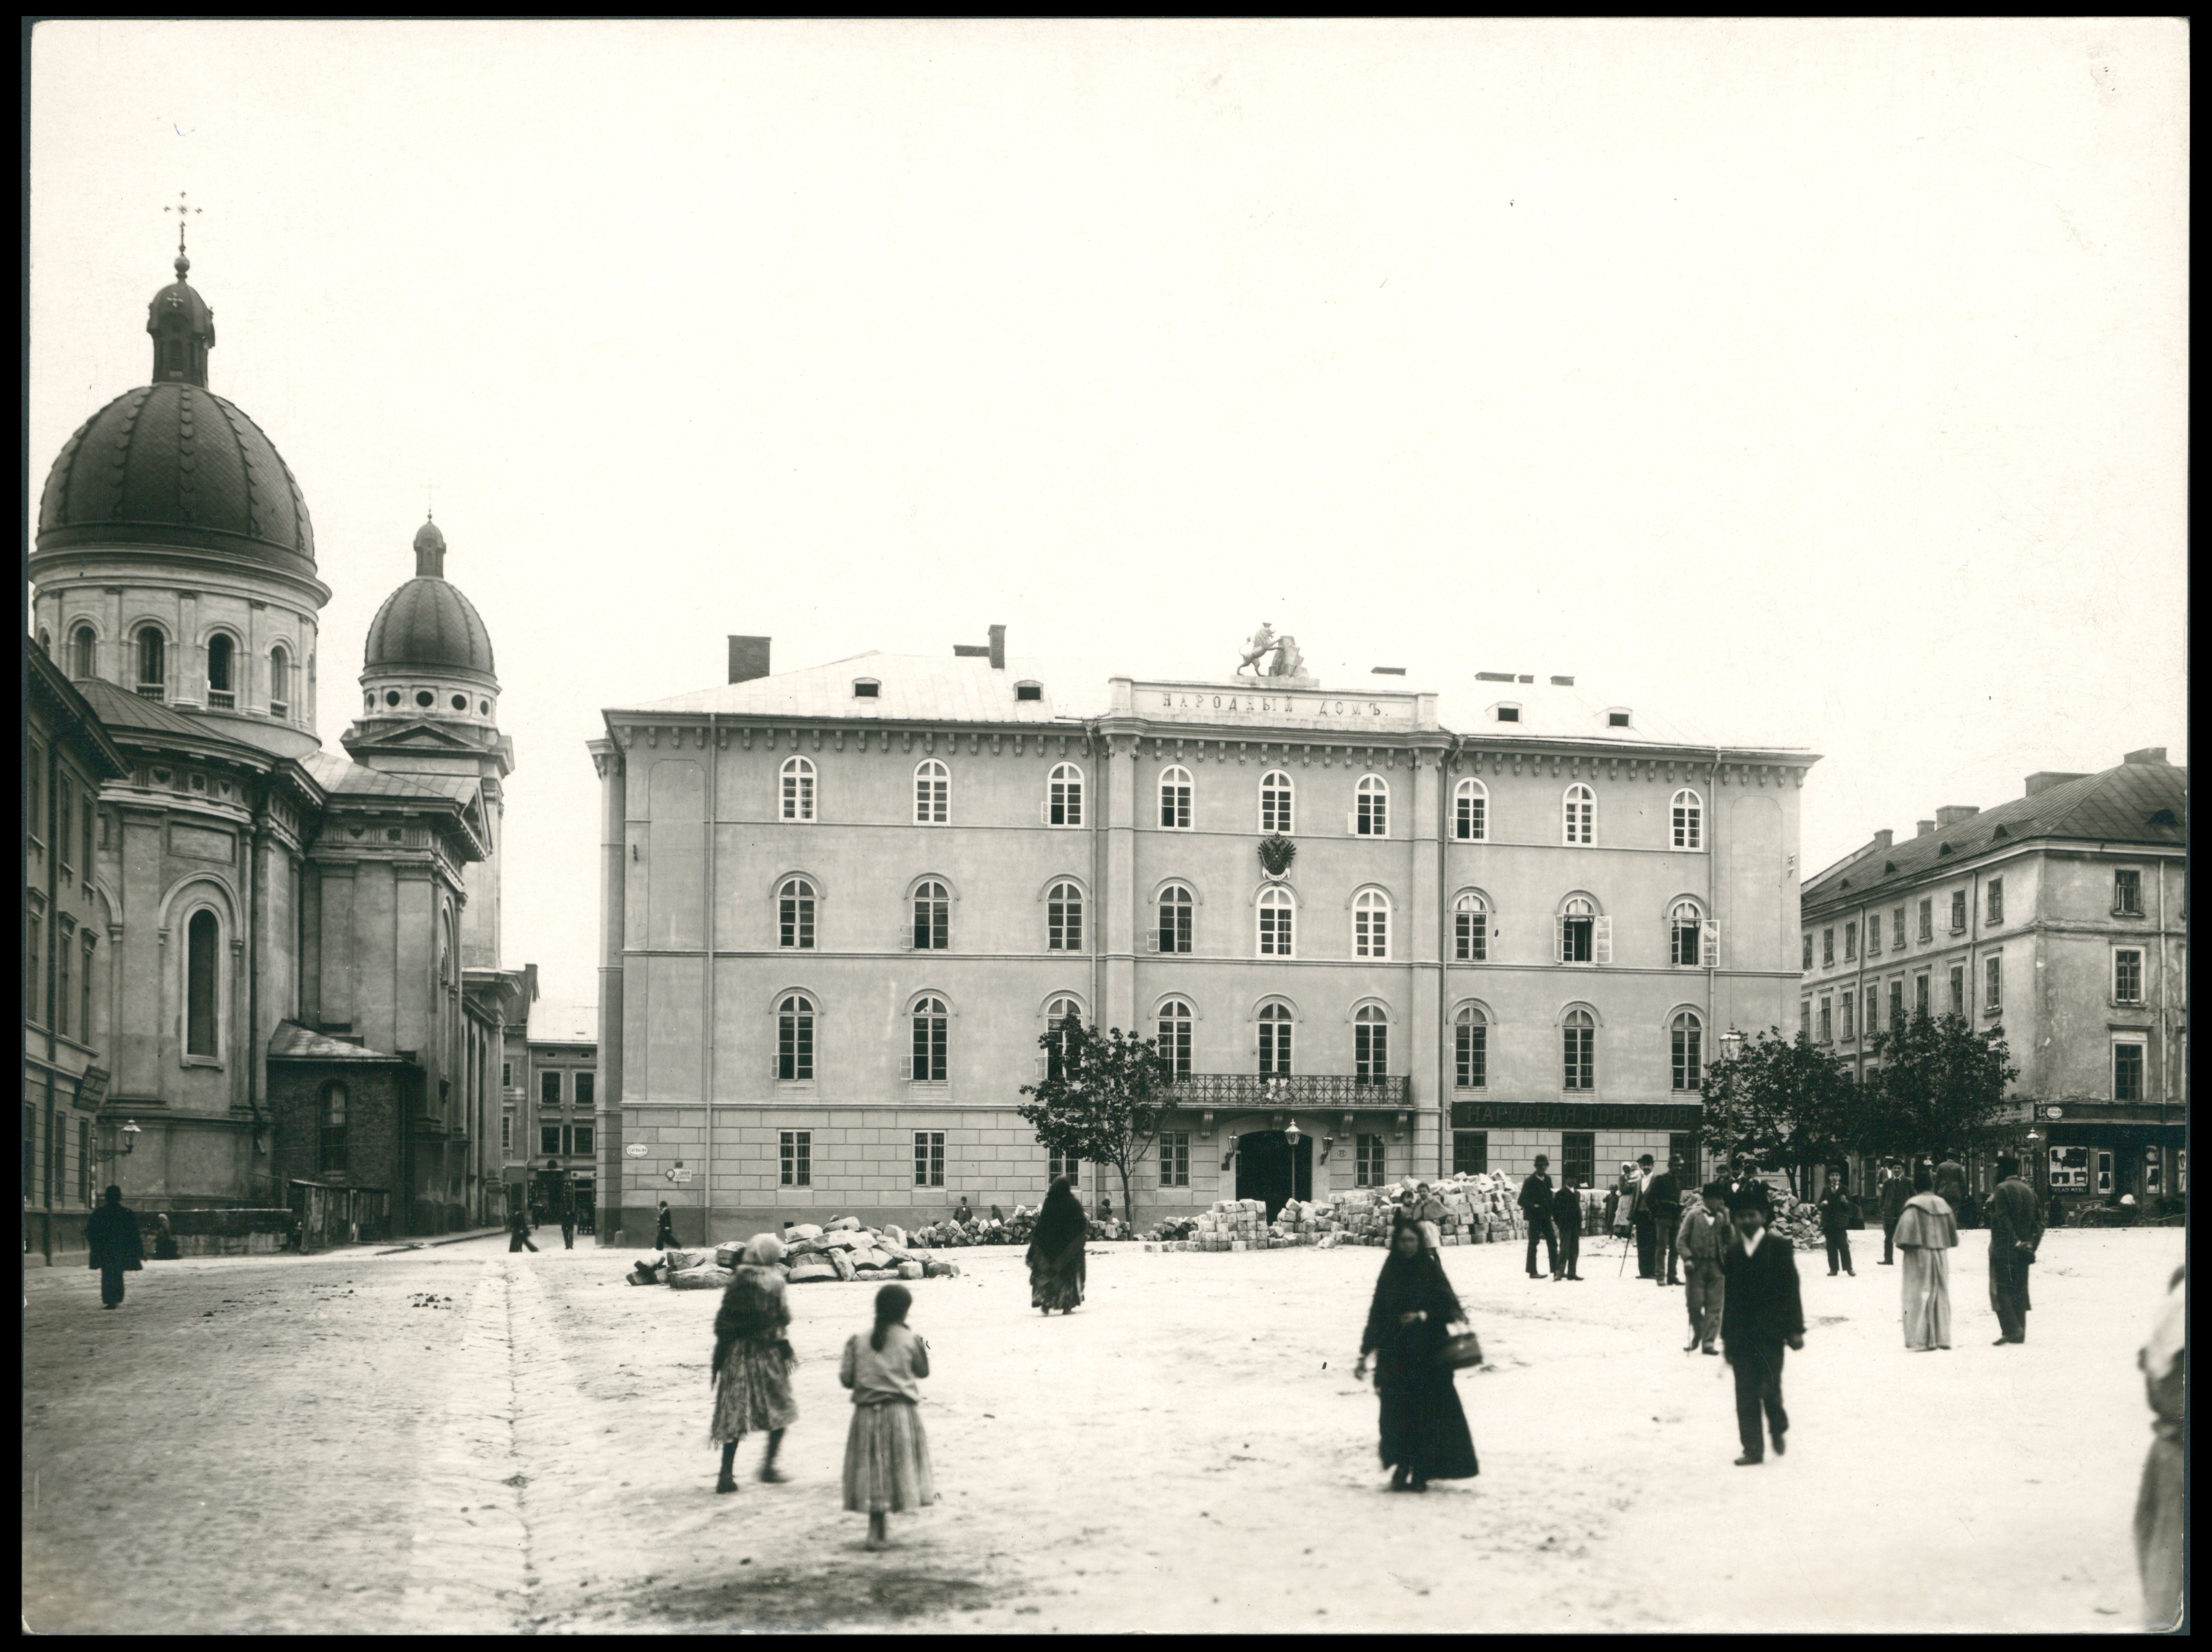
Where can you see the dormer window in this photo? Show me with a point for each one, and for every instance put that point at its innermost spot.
(1028, 690)
(1617, 717)
(1509, 714)
(865, 688)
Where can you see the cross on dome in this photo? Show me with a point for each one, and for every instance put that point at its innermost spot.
(184, 264)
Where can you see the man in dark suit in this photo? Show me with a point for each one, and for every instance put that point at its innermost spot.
(1664, 1200)
(1536, 1210)
(1896, 1188)
(2015, 1229)
(1744, 1188)
(1760, 1315)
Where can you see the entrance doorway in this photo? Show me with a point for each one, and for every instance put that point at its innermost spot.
(1269, 1168)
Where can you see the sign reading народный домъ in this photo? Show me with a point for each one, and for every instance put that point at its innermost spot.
(1281, 708)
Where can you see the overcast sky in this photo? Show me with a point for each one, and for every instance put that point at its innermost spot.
(1817, 383)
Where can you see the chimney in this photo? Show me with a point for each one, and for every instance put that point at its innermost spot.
(1882, 838)
(748, 659)
(2044, 780)
(1952, 813)
(2149, 754)
(999, 651)
(1923, 828)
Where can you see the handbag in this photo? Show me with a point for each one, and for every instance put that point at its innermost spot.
(1460, 1349)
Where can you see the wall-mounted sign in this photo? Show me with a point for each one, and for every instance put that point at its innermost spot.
(2054, 1111)
(635, 1150)
(680, 1175)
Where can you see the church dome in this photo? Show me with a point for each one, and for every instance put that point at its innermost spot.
(427, 625)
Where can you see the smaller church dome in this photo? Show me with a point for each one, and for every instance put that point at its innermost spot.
(427, 624)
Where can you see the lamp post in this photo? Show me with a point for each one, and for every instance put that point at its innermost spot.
(128, 1135)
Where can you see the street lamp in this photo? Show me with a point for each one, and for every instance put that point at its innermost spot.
(129, 1134)
(1291, 1134)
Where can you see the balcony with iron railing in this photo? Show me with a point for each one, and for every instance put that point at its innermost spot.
(1224, 1092)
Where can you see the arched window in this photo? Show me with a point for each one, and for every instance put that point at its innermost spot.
(1275, 1040)
(1057, 1014)
(1175, 919)
(1471, 812)
(87, 653)
(1063, 919)
(794, 914)
(794, 1038)
(279, 682)
(1174, 1036)
(1370, 815)
(1276, 908)
(153, 663)
(798, 789)
(1684, 938)
(933, 793)
(1580, 815)
(1370, 1044)
(927, 1065)
(1275, 802)
(1689, 1037)
(1063, 805)
(1470, 929)
(220, 692)
(1371, 925)
(1580, 1048)
(202, 982)
(1584, 935)
(932, 917)
(1470, 1048)
(330, 1150)
(1689, 813)
(1174, 799)
(45, 643)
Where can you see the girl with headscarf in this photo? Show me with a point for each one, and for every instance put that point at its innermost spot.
(1927, 1232)
(753, 1359)
(887, 1468)
(1055, 1252)
(1424, 1434)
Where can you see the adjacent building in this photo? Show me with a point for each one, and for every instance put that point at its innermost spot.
(2060, 917)
(551, 1111)
(840, 905)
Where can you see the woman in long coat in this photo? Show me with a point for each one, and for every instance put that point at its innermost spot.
(1055, 1252)
(753, 1360)
(1424, 1434)
(1927, 1233)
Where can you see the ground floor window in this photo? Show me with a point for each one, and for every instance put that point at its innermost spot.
(57, 1151)
(84, 1161)
(2069, 1169)
(1174, 1159)
(30, 1149)
(1682, 1154)
(1470, 1152)
(929, 1158)
(1367, 1162)
(1577, 1157)
(2103, 1171)
(2153, 1170)
(1057, 1165)
(797, 1153)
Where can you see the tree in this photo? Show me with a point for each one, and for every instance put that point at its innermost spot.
(1780, 1100)
(1940, 1084)
(1103, 1099)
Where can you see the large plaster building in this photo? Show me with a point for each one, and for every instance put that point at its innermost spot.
(840, 905)
(2059, 917)
(286, 961)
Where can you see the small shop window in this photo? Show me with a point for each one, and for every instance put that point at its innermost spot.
(2069, 1169)
(2103, 1171)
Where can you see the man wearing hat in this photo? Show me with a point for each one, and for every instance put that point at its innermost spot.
(1536, 1203)
(1896, 1188)
(1640, 1217)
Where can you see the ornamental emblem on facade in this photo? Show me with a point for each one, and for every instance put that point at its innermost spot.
(1276, 854)
(1285, 661)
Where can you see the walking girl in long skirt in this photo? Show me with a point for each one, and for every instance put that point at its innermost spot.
(753, 1360)
(1927, 1233)
(886, 1453)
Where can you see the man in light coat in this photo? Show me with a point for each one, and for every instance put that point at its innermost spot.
(1702, 1241)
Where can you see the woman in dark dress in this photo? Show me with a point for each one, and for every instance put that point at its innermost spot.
(1055, 1252)
(1424, 1434)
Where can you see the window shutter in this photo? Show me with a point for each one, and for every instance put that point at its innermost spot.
(1708, 938)
(1040, 1068)
(1602, 940)
(906, 1066)
(1045, 812)
(1352, 824)
(1559, 940)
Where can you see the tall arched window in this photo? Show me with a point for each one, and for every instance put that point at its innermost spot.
(1370, 1044)
(153, 663)
(1275, 1040)
(1175, 1020)
(1276, 908)
(932, 917)
(1370, 814)
(1470, 1048)
(1470, 811)
(797, 789)
(1371, 925)
(1175, 919)
(1584, 934)
(1580, 1049)
(1063, 805)
(1175, 798)
(926, 1063)
(203, 938)
(1580, 815)
(1470, 929)
(331, 1150)
(794, 914)
(87, 653)
(1275, 802)
(220, 692)
(45, 643)
(1063, 919)
(933, 793)
(1689, 1037)
(1689, 813)
(794, 1038)
(1057, 1014)
(1684, 938)
(279, 682)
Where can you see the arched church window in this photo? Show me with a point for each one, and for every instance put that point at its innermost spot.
(87, 653)
(202, 941)
(153, 662)
(220, 692)
(280, 683)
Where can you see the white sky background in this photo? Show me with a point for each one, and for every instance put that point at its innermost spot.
(1817, 383)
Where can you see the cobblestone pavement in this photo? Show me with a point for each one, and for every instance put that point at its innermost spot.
(456, 1439)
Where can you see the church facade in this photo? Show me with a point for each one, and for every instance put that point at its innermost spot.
(840, 905)
(292, 984)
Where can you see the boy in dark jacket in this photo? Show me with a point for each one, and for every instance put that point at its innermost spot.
(1567, 1217)
(1836, 1212)
(1761, 1315)
(1536, 1203)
